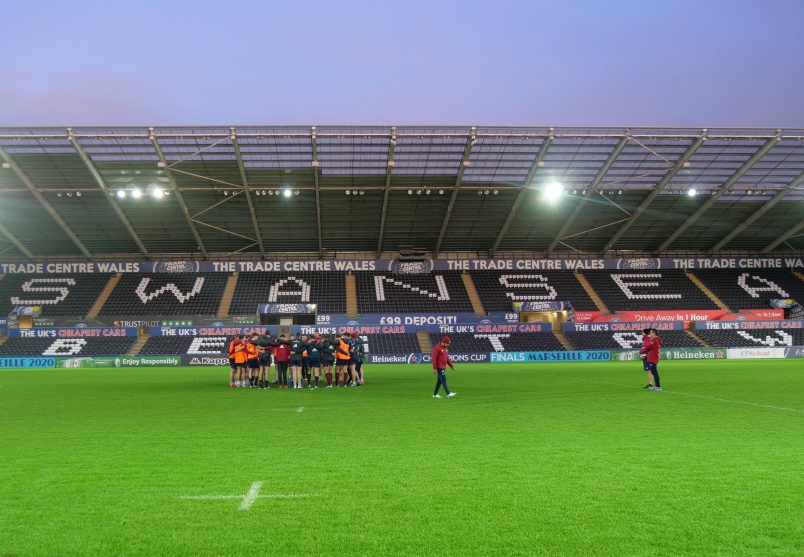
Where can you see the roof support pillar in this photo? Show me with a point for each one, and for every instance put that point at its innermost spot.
(106, 192)
(745, 167)
(179, 197)
(44, 202)
(660, 186)
(758, 213)
(467, 151)
(590, 191)
(389, 169)
(520, 197)
(13, 239)
(247, 190)
(316, 177)
(784, 237)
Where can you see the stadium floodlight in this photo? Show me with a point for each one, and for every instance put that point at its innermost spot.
(354, 192)
(157, 193)
(295, 192)
(495, 192)
(121, 194)
(440, 192)
(348, 192)
(427, 192)
(78, 194)
(58, 194)
(287, 193)
(418, 192)
(363, 192)
(692, 192)
(553, 191)
(410, 192)
(136, 193)
(69, 194)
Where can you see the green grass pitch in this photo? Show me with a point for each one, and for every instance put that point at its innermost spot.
(553, 459)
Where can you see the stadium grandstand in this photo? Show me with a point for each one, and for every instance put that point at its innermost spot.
(432, 230)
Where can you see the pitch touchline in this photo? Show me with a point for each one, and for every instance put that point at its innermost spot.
(693, 395)
(248, 499)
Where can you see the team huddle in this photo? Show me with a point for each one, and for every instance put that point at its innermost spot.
(299, 361)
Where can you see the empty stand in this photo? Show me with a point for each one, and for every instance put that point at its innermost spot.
(752, 289)
(627, 340)
(56, 294)
(67, 346)
(167, 294)
(391, 344)
(325, 289)
(647, 290)
(500, 342)
(388, 292)
(754, 337)
(499, 289)
(202, 346)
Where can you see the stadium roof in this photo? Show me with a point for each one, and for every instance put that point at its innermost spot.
(382, 188)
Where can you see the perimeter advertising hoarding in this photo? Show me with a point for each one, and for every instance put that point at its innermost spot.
(118, 361)
(418, 320)
(615, 326)
(8, 362)
(395, 267)
(748, 325)
(556, 356)
(674, 354)
(755, 353)
(74, 332)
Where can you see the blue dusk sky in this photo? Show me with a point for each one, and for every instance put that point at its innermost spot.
(703, 63)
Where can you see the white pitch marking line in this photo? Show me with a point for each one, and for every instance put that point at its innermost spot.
(300, 409)
(251, 496)
(248, 499)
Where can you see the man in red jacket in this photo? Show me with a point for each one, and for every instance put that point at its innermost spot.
(645, 365)
(650, 353)
(440, 362)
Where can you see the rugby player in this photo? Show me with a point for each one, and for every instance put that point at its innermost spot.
(343, 357)
(252, 360)
(235, 345)
(651, 353)
(645, 364)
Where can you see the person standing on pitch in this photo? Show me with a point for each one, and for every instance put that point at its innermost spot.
(645, 364)
(651, 352)
(440, 362)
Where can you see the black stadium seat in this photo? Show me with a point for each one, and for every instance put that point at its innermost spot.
(113, 346)
(752, 289)
(166, 294)
(499, 289)
(440, 291)
(71, 295)
(754, 337)
(647, 290)
(500, 342)
(328, 290)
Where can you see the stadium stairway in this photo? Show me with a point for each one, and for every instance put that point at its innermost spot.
(697, 337)
(135, 349)
(469, 284)
(228, 294)
(351, 295)
(562, 338)
(799, 274)
(104, 295)
(591, 293)
(424, 342)
(709, 294)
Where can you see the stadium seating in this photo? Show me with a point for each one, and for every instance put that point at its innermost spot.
(647, 290)
(217, 346)
(325, 289)
(71, 295)
(754, 337)
(500, 342)
(388, 292)
(752, 289)
(499, 289)
(627, 340)
(391, 344)
(67, 346)
(166, 294)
